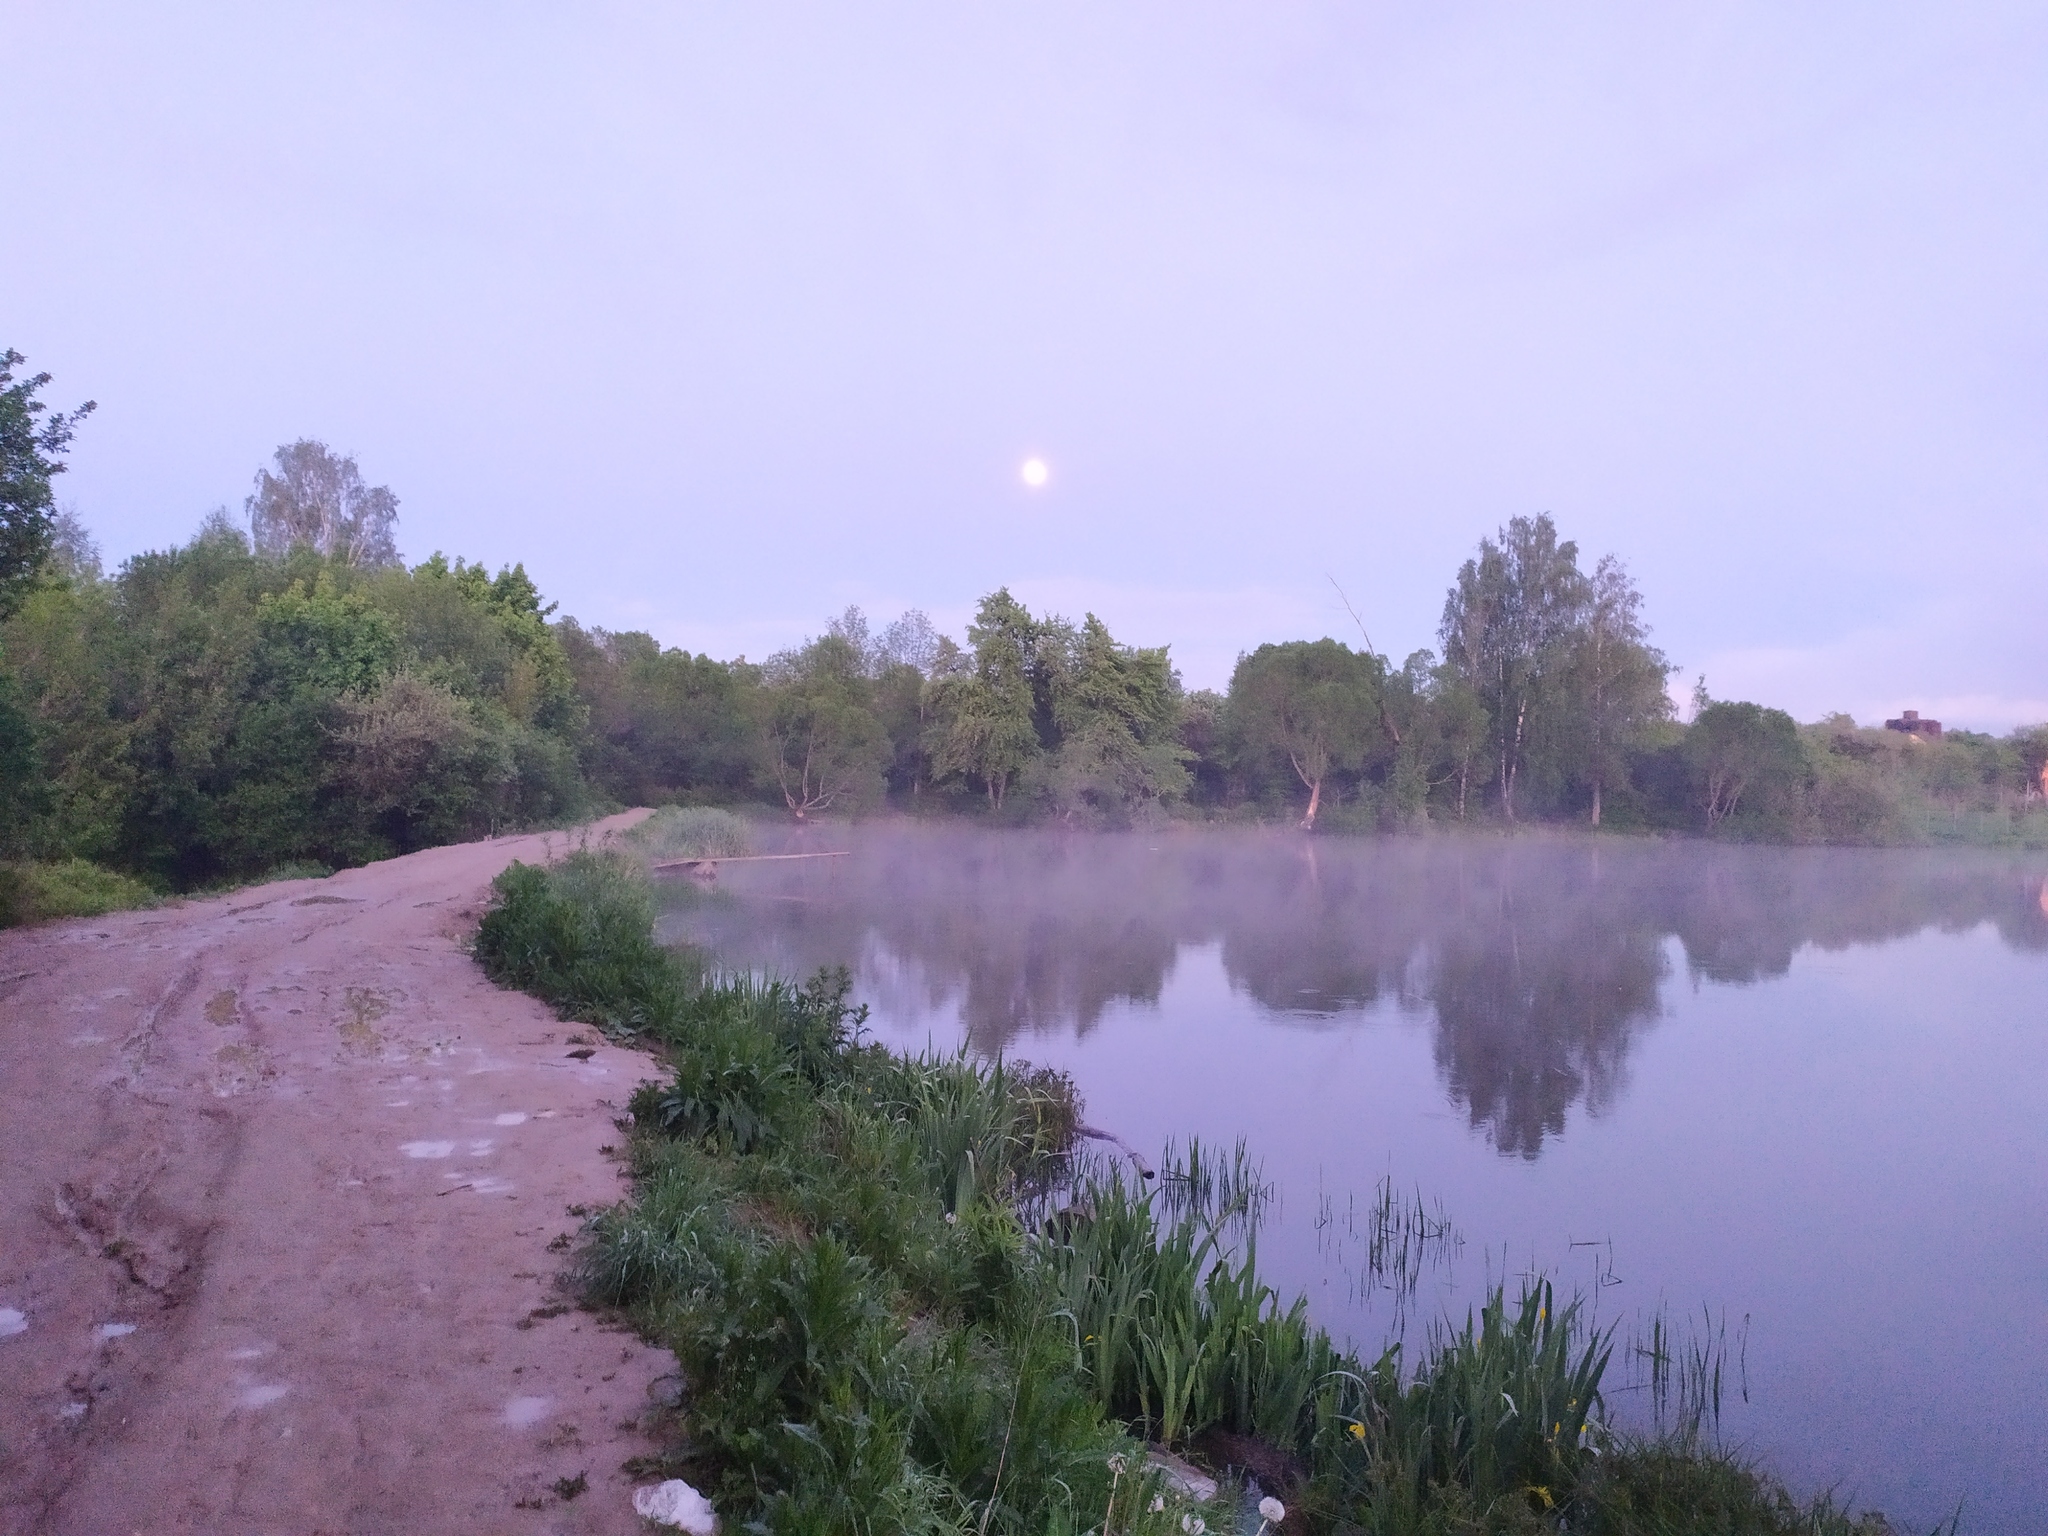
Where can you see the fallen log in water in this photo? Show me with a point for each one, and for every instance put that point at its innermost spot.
(712, 861)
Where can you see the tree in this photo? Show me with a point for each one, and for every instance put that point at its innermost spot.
(328, 641)
(65, 651)
(1615, 679)
(1314, 704)
(317, 499)
(1203, 736)
(986, 713)
(1438, 729)
(662, 725)
(31, 452)
(1116, 710)
(1507, 626)
(411, 759)
(823, 742)
(1744, 753)
(2032, 747)
(909, 642)
(24, 794)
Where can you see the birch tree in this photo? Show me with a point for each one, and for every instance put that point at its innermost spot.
(1616, 680)
(1507, 627)
(317, 499)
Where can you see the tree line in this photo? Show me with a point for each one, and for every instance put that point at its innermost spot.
(282, 688)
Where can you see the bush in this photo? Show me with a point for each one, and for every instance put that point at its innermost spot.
(580, 937)
(36, 893)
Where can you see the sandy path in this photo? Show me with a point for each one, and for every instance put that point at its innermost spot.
(284, 1188)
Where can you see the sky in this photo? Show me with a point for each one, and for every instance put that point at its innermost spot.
(722, 318)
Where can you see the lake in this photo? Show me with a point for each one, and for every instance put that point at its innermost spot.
(1793, 1102)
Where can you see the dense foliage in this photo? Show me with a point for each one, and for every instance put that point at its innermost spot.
(901, 1304)
(293, 694)
(209, 713)
(32, 446)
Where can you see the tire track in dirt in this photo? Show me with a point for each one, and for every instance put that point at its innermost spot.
(286, 1186)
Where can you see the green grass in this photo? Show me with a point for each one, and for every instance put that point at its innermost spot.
(692, 832)
(901, 1303)
(37, 893)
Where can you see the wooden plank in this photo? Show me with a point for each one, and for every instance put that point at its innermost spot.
(746, 858)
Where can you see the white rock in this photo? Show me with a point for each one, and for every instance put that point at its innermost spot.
(1183, 1479)
(676, 1503)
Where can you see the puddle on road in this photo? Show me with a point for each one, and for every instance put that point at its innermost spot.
(12, 1322)
(427, 1148)
(513, 1117)
(525, 1412)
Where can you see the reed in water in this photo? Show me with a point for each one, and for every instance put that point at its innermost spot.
(902, 1303)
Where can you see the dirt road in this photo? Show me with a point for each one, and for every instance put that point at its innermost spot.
(285, 1186)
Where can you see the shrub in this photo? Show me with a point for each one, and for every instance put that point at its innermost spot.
(580, 937)
(36, 893)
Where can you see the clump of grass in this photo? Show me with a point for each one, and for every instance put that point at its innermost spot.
(1503, 1409)
(903, 1304)
(292, 869)
(37, 893)
(1224, 1190)
(1685, 1370)
(692, 832)
(580, 936)
(1649, 1487)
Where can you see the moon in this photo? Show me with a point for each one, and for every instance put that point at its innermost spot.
(1035, 472)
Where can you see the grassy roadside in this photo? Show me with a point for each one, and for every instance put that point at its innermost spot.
(902, 1304)
(46, 892)
(43, 892)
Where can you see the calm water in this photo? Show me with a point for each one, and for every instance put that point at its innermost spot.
(1799, 1096)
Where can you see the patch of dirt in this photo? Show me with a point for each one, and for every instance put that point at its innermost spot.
(273, 1286)
(361, 1007)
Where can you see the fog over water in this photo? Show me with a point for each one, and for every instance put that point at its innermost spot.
(1798, 1094)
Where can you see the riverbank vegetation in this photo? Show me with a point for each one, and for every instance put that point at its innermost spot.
(902, 1302)
(283, 690)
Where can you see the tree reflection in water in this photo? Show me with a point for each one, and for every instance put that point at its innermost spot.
(1537, 959)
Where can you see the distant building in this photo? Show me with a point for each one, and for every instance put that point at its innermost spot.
(1911, 723)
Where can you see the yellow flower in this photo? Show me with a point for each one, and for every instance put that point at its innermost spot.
(1358, 1431)
(1543, 1494)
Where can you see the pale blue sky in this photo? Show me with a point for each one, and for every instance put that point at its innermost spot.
(722, 318)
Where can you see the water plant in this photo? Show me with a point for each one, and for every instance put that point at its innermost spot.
(692, 832)
(904, 1302)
